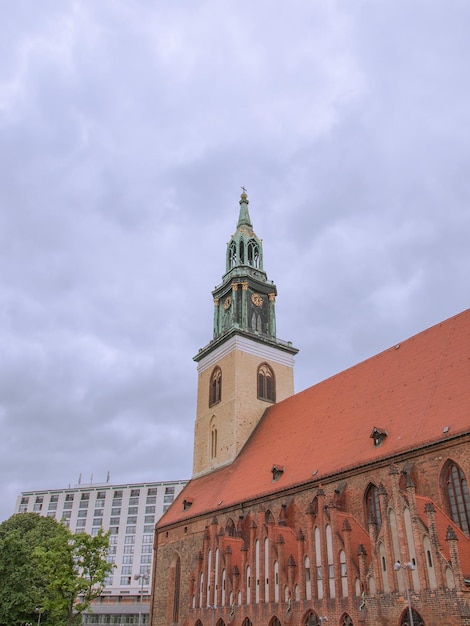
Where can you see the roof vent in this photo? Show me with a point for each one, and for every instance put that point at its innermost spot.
(445, 430)
(187, 502)
(378, 435)
(277, 472)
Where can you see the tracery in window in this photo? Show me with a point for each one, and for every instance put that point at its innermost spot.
(215, 387)
(232, 255)
(458, 498)
(253, 253)
(230, 529)
(372, 505)
(311, 619)
(417, 619)
(346, 620)
(266, 383)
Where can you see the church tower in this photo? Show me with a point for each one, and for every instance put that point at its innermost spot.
(245, 368)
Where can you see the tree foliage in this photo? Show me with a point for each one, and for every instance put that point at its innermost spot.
(46, 569)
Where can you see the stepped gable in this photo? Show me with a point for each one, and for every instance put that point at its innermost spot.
(442, 524)
(412, 395)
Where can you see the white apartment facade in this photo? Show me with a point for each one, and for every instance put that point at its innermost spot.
(129, 512)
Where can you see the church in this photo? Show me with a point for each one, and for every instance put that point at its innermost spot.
(346, 504)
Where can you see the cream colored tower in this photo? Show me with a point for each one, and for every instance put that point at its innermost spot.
(245, 368)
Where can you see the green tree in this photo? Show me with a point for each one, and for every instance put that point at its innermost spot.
(45, 568)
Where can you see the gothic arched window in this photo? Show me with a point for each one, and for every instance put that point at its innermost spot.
(372, 505)
(215, 387)
(175, 576)
(311, 619)
(253, 254)
(230, 529)
(213, 441)
(232, 255)
(417, 619)
(458, 498)
(266, 383)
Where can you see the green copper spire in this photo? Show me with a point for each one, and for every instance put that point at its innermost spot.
(244, 303)
(244, 248)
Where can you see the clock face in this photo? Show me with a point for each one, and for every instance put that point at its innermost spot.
(227, 303)
(257, 299)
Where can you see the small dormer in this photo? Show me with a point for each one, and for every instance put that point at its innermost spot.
(378, 435)
(277, 471)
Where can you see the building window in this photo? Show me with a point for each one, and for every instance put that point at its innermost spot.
(135, 493)
(372, 506)
(253, 253)
(213, 442)
(215, 387)
(176, 575)
(457, 495)
(266, 383)
(152, 491)
(38, 504)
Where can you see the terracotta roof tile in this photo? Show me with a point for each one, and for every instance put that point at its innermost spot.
(412, 391)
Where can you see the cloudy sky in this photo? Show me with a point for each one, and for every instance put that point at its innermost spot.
(126, 132)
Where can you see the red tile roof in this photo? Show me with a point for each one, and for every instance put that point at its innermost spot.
(412, 391)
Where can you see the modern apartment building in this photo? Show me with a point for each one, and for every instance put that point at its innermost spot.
(129, 512)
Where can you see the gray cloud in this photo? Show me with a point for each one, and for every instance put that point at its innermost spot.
(126, 131)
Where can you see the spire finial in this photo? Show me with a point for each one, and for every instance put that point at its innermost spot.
(244, 218)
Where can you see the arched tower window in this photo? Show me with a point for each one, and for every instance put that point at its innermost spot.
(242, 252)
(215, 387)
(253, 253)
(266, 383)
(456, 487)
(232, 255)
(372, 505)
(213, 441)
